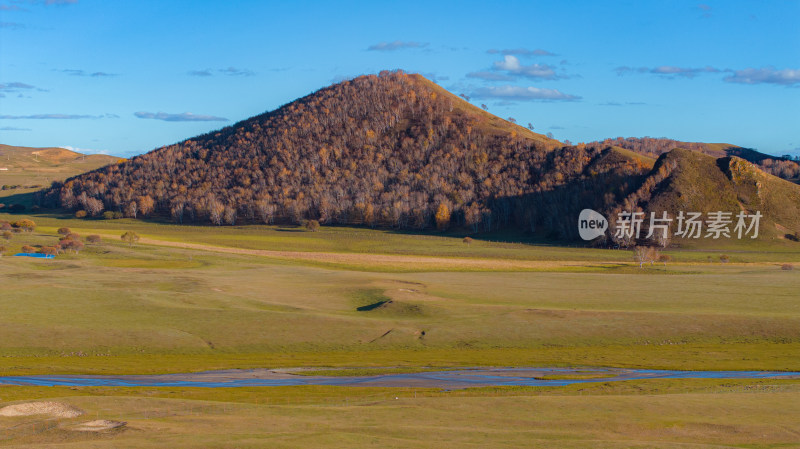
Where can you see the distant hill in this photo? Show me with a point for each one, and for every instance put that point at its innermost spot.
(782, 167)
(26, 166)
(397, 151)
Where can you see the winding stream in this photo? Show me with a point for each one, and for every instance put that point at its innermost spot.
(461, 378)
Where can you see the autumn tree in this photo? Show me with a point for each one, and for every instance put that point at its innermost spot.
(146, 205)
(64, 231)
(442, 217)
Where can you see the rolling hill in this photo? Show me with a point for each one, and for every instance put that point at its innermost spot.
(396, 150)
(28, 167)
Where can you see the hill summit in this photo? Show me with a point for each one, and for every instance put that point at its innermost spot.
(392, 150)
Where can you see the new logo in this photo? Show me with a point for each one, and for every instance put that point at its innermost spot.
(591, 224)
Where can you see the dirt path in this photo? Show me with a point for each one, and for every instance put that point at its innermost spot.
(399, 261)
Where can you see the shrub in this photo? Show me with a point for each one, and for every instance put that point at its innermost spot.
(312, 225)
(80, 214)
(64, 231)
(108, 215)
(724, 258)
(467, 240)
(94, 238)
(6, 235)
(5, 226)
(787, 267)
(2, 250)
(28, 249)
(74, 245)
(25, 225)
(70, 236)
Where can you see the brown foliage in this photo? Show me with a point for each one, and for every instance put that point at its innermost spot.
(390, 150)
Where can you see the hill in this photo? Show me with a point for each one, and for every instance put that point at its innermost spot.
(782, 167)
(690, 181)
(393, 150)
(28, 167)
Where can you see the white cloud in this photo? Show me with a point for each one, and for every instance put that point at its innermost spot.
(520, 93)
(766, 75)
(182, 117)
(511, 65)
(396, 45)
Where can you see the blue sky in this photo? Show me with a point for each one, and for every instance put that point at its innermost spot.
(127, 77)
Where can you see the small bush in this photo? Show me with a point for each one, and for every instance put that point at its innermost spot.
(113, 215)
(312, 225)
(787, 267)
(724, 258)
(7, 235)
(467, 240)
(28, 249)
(64, 231)
(94, 238)
(80, 214)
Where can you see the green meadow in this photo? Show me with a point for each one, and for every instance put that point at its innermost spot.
(354, 300)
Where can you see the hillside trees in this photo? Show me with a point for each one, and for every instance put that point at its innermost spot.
(392, 150)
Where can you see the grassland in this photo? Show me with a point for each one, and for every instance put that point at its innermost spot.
(652, 414)
(201, 298)
(193, 309)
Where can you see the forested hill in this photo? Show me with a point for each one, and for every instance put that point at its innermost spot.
(392, 150)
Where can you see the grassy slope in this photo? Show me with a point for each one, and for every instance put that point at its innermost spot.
(41, 166)
(491, 123)
(701, 183)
